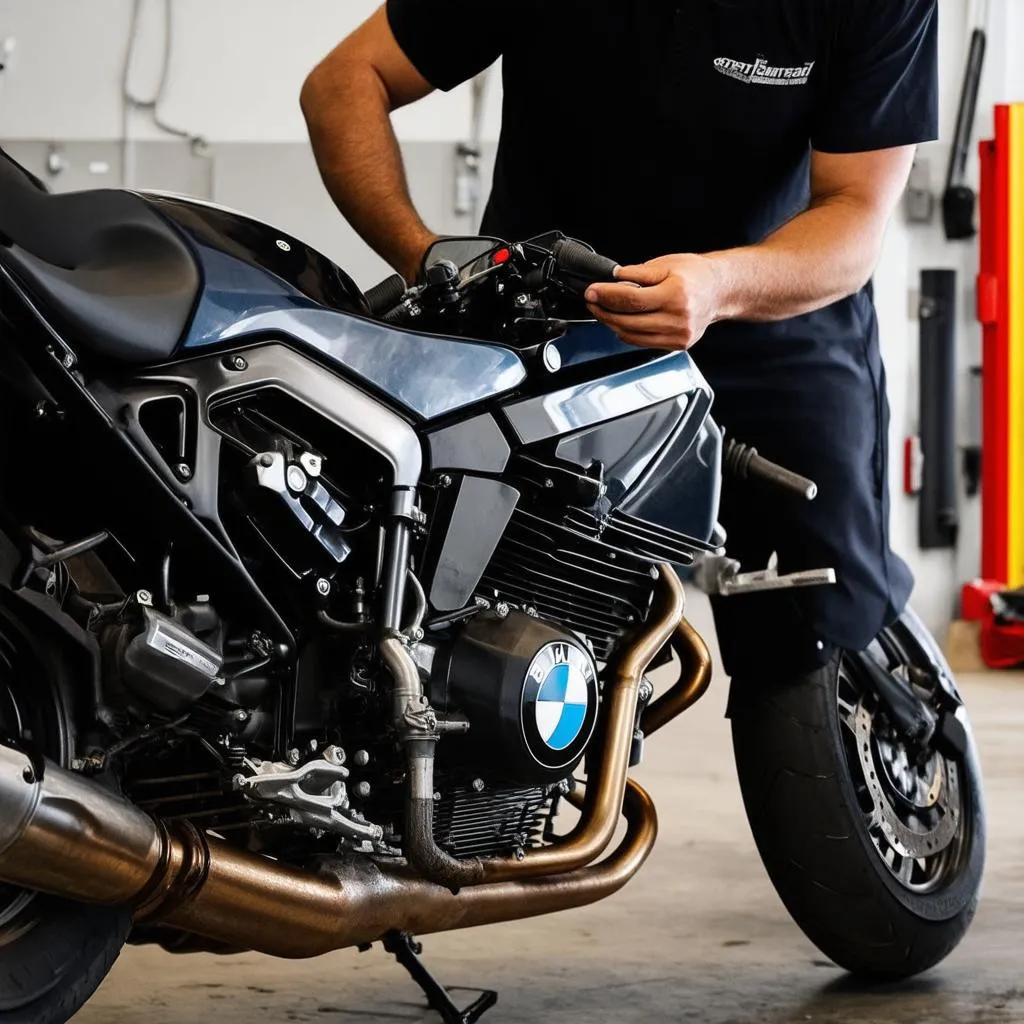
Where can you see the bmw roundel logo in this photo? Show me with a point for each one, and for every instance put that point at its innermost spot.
(559, 704)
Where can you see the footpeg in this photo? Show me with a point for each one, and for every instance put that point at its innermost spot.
(720, 576)
(406, 950)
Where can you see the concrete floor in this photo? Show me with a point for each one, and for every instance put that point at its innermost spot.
(698, 936)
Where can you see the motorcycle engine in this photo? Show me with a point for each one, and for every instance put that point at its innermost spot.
(530, 692)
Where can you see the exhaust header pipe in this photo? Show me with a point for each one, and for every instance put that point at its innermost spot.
(69, 836)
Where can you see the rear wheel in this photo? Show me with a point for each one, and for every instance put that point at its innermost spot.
(53, 953)
(876, 850)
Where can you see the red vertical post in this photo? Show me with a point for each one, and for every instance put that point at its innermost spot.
(994, 314)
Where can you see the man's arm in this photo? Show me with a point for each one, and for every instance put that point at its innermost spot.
(823, 255)
(347, 101)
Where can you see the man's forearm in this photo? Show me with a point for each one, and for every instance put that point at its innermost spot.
(818, 258)
(347, 111)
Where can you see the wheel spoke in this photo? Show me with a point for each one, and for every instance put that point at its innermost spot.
(906, 871)
(847, 714)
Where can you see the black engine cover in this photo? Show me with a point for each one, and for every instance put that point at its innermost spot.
(530, 692)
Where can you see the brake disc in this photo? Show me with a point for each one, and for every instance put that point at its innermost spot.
(937, 793)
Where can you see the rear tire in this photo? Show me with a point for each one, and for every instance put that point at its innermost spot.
(53, 953)
(816, 806)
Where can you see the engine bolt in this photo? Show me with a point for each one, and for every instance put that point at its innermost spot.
(184, 471)
(362, 789)
(501, 609)
(144, 597)
(521, 299)
(239, 363)
(520, 853)
(549, 483)
(478, 785)
(323, 587)
(445, 480)
(241, 715)
(293, 756)
(334, 755)
(361, 758)
(313, 745)
(437, 798)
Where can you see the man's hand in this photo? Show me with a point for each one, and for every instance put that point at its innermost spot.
(677, 300)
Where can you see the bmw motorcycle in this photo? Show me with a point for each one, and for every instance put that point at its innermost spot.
(318, 608)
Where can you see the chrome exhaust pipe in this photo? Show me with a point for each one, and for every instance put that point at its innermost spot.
(71, 837)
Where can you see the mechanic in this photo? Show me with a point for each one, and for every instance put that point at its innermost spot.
(743, 158)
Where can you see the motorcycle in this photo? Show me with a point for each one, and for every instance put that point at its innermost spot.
(318, 607)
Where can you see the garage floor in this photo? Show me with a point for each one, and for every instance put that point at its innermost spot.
(698, 936)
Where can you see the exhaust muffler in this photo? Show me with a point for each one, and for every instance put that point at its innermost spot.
(71, 837)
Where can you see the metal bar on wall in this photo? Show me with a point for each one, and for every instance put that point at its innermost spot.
(938, 517)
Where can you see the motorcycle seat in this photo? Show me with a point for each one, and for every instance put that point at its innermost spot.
(103, 264)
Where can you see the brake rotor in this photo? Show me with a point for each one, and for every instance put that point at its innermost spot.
(932, 792)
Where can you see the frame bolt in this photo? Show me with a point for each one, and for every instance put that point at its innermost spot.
(184, 471)
(323, 586)
(334, 755)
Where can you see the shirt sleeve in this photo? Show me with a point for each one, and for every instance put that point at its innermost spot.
(882, 87)
(447, 41)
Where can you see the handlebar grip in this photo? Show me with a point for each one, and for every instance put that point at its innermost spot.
(578, 261)
(383, 297)
(744, 462)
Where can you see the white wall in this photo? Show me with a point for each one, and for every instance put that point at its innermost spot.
(235, 76)
(236, 70)
(908, 250)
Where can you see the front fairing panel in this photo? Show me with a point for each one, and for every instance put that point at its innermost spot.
(649, 427)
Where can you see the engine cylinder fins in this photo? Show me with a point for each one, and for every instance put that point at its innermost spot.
(76, 839)
(572, 579)
(492, 820)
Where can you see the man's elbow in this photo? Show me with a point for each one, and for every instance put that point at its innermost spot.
(316, 92)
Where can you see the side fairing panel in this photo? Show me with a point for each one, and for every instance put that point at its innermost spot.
(259, 282)
(429, 376)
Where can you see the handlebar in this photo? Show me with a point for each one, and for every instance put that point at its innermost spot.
(583, 265)
(382, 298)
(745, 464)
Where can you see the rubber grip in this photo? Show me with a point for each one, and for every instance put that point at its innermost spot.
(779, 476)
(743, 462)
(383, 297)
(575, 260)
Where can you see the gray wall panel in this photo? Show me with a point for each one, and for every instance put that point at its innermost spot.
(274, 182)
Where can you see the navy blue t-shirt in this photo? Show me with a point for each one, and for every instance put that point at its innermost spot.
(648, 127)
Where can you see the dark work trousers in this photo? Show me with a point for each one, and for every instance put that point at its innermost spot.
(818, 407)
